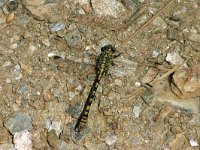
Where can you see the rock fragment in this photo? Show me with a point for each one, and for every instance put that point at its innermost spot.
(194, 37)
(186, 82)
(22, 140)
(111, 8)
(18, 122)
(39, 140)
(52, 138)
(54, 27)
(111, 139)
(163, 113)
(174, 58)
(42, 10)
(4, 135)
(178, 142)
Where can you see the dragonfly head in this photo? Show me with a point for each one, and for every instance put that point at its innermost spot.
(108, 48)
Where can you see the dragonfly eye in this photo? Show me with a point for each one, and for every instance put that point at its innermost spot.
(113, 49)
(108, 47)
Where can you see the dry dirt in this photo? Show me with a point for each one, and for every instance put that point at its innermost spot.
(47, 59)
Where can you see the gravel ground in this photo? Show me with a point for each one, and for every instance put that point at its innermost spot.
(48, 50)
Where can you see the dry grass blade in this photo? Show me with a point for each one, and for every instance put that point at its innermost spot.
(145, 25)
(143, 89)
(165, 74)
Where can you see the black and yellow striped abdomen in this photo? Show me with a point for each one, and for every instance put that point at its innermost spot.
(102, 65)
(82, 120)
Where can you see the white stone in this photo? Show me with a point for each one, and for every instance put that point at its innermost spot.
(22, 140)
(136, 111)
(111, 139)
(107, 7)
(71, 94)
(175, 59)
(51, 54)
(79, 88)
(155, 53)
(193, 143)
(57, 126)
(137, 83)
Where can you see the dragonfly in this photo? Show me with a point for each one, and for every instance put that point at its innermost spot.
(104, 61)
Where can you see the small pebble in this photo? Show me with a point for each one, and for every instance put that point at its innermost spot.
(81, 11)
(86, 8)
(47, 96)
(51, 54)
(71, 94)
(54, 27)
(32, 48)
(174, 58)
(6, 64)
(17, 75)
(150, 75)
(163, 113)
(160, 22)
(185, 82)
(136, 111)
(10, 17)
(111, 95)
(8, 80)
(74, 38)
(22, 20)
(27, 68)
(173, 34)
(79, 88)
(108, 7)
(181, 11)
(178, 142)
(195, 121)
(17, 67)
(62, 145)
(111, 139)
(1, 88)
(194, 37)
(18, 122)
(15, 107)
(22, 140)
(130, 4)
(4, 135)
(142, 19)
(5, 10)
(56, 92)
(57, 126)
(46, 42)
(16, 37)
(52, 138)
(14, 46)
(39, 139)
(118, 82)
(193, 143)
(86, 60)
(23, 89)
(155, 53)
(137, 83)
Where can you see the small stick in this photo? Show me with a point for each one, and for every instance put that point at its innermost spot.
(145, 25)
(143, 89)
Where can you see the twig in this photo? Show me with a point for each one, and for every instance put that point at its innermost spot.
(145, 25)
(143, 89)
